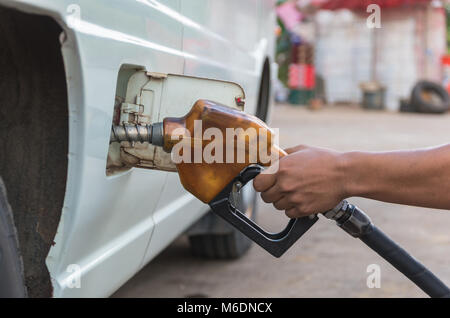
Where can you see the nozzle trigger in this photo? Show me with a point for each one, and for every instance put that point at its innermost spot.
(274, 243)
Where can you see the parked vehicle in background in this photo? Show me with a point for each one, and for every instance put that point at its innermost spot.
(66, 66)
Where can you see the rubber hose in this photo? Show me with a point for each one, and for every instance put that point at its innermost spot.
(405, 263)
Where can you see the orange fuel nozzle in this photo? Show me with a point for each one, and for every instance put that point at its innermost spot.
(215, 143)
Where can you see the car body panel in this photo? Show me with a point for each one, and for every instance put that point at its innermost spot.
(111, 226)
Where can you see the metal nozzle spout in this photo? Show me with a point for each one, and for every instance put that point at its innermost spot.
(138, 133)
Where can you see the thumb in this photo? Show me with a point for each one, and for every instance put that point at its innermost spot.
(296, 148)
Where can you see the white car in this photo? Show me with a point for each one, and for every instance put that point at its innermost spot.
(74, 221)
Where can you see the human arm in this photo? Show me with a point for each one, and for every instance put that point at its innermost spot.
(311, 180)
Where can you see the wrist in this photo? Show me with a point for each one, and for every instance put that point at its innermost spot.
(349, 163)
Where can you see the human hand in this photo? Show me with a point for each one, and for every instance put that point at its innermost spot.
(307, 181)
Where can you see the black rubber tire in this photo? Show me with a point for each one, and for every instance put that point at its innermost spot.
(220, 246)
(229, 243)
(12, 283)
(232, 244)
(33, 136)
(264, 93)
(420, 104)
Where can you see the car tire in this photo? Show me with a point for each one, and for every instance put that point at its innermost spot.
(33, 136)
(11, 266)
(429, 97)
(224, 241)
(216, 246)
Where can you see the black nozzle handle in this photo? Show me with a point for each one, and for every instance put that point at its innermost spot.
(274, 243)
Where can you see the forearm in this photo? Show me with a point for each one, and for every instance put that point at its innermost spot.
(419, 177)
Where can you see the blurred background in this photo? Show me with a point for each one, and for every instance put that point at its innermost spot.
(348, 79)
(352, 52)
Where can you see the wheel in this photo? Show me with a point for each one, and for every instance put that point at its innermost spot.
(11, 266)
(33, 138)
(224, 241)
(429, 97)
(214, 238)
(264, 93)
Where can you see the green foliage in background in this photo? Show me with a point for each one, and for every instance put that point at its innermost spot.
(283, 50)
(283, 53)
(447, 11)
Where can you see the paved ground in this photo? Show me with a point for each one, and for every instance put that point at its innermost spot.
(326, 262)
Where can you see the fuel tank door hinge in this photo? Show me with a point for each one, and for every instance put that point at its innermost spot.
(133, 113)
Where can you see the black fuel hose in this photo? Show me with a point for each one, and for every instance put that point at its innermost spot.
(355, 222)
(405, 263)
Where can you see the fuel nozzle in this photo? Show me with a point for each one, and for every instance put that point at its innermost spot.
(152, 134)
(205, 178)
